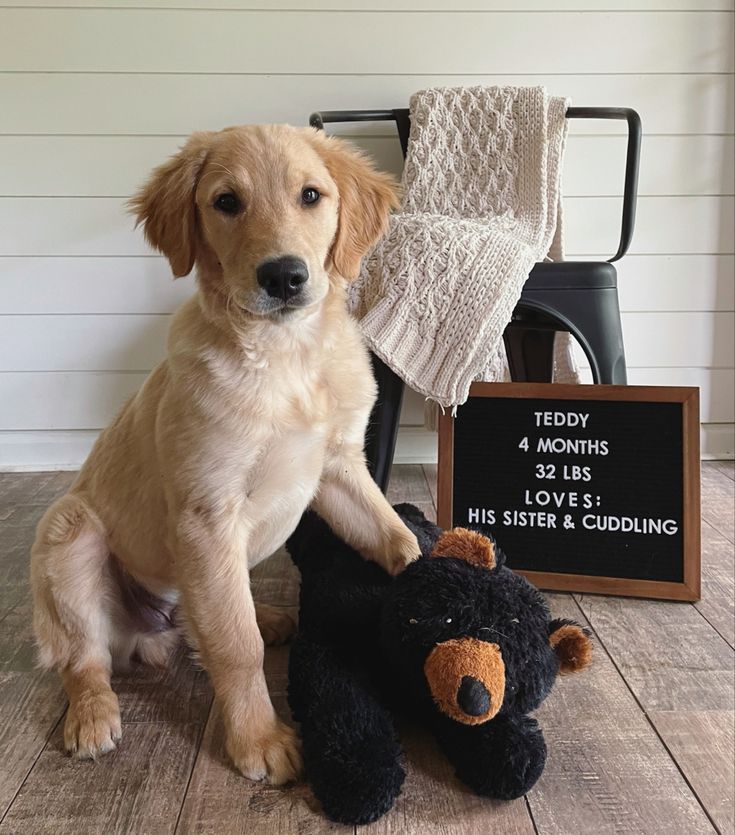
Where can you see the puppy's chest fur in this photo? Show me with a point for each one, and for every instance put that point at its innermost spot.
(313, 382)
(284, 410)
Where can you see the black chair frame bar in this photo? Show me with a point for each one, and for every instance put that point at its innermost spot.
(630, 188)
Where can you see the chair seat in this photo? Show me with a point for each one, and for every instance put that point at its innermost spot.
(572, 275)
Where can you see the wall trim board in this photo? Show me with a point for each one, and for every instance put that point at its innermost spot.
(107, 40)
(325, 6)
(99, 226)
(71, 400)
(109, 166)
(47, 450)
(139, 284)
(66, 450)
(137, 342)
(129, 104)
(411, 6)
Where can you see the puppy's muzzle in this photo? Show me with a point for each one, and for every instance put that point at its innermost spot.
(466, 678)
(283, 278)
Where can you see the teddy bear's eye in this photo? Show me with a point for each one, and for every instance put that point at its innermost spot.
(514, 620)
(412, 621)
(448, 620)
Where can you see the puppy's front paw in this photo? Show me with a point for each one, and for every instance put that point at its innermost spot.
(92, 725)
(402, 550)
(273, 754)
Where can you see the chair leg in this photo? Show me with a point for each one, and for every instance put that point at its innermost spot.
(605, 350)
(382, 431)
(594, 319)
(530, 352)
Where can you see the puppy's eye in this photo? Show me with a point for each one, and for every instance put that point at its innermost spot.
(227, 203)
(309, 196)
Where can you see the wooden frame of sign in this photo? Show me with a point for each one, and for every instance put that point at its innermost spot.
(676, 558)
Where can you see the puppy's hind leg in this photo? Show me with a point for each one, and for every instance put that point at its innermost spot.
(73, 598)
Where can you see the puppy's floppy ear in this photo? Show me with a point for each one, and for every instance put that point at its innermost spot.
(366, 197)
(165, 204)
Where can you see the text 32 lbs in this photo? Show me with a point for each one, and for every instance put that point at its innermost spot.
(569, 472)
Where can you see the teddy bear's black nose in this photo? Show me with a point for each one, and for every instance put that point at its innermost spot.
(472, 696)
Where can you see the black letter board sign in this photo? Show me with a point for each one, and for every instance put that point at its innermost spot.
(585, 488)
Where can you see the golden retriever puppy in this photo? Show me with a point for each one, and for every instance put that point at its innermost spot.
(258, 411)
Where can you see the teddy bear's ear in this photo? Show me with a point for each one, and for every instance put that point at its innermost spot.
(463, 544)
(571, 643)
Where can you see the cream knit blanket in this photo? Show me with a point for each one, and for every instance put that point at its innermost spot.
(481, 201)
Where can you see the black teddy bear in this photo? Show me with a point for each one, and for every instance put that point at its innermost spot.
(457, 640)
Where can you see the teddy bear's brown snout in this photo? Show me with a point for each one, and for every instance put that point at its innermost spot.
(467, 679)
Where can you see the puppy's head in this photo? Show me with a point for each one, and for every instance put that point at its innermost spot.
(269, 214)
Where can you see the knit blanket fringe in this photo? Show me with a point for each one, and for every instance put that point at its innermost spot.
(481, 205)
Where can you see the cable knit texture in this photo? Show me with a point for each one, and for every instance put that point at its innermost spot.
(481, 202)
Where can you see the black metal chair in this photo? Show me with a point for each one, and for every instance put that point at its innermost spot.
(580, 297)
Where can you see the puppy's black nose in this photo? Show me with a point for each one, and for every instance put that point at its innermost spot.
(472, 696)
(282, 278)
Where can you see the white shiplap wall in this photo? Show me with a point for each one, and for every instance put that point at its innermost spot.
(93, 93)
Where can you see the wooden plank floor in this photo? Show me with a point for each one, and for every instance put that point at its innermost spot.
(642, 742)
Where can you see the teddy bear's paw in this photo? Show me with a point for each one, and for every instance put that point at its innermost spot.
(522, 770)
(357, 787)
(506, 764)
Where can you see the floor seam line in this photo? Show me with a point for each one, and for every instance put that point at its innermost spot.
(33, 765)
(200, 739)
(648, 720)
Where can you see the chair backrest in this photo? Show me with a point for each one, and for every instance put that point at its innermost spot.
(630, 188)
